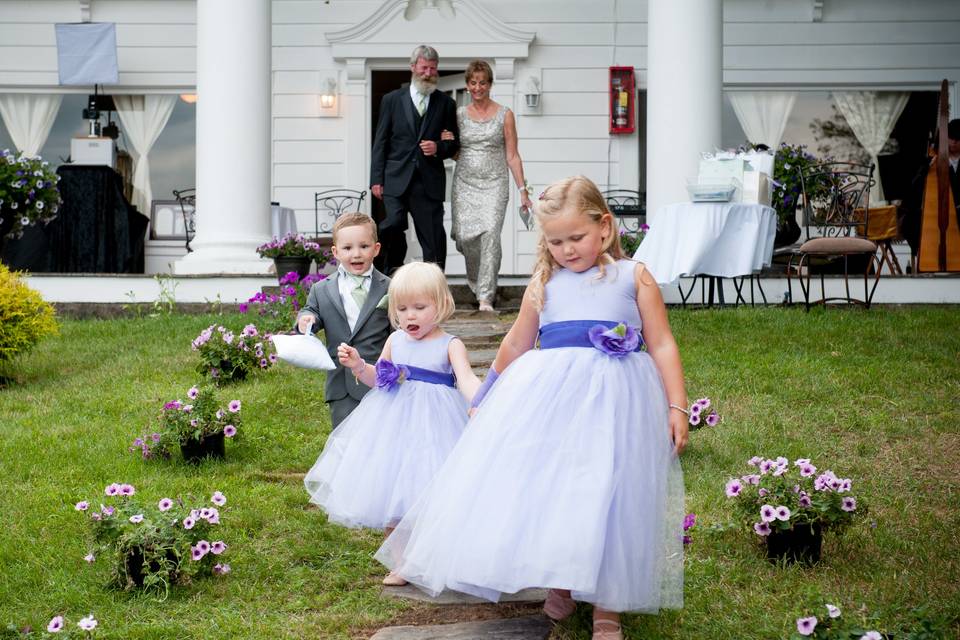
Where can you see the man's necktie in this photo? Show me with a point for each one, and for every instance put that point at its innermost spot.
(356, 290)
(422, 104)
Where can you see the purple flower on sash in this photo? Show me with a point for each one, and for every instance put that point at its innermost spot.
(389, 375)
(617, 342)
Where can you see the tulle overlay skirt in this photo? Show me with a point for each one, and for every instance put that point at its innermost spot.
(565, 479)
(379, 460)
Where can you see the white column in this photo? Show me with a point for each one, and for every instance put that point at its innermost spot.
(233, 137)
(685, 93)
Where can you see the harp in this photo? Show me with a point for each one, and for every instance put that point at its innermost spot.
(939, 249)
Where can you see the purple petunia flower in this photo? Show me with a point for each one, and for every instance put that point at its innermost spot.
(112, 489)
(766, 466)
(188, 522)
(695, 409)
(107, 511)
(127, 490)
(229, 431)
(805, 626)
(90, 558)
(83, 505)
(713, 419)
(55, 624)
(234, 406)
(165, 504)
(752, 478)
(762, 492)
(768, 513)
(136, 518)
(218, 547)
(799, 462)
(272, 358)
(389, 375)
(214, 517)
(192, 393)
(754, 461)
(617, 342)
(187, 408)
(196, 554)
(173, 404)
(689, 521)
(807, 470)
(88, 624)
(832, 611)
(761, 528)
(221, 569)
(243, 307)
(849, 503)
(805, 501)
(204, 513)
(694, 419)
(203, 546)
(871, 635)
(733, 488)
(218, 499)
(783, 513)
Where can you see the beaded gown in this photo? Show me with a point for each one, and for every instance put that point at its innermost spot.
(481, 188)
(565, 478)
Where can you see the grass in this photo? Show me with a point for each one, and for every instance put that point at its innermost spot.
(872, 395)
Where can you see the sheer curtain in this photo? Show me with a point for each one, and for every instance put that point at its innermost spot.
(872, 116)
(763, 114)
(143, 118)
(29, 118)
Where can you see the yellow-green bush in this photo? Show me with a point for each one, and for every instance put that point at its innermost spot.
(24, 316)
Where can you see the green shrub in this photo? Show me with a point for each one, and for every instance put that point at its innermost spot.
(24, 316)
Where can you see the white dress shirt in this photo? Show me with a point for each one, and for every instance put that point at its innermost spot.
(415, 96)
(346, 286)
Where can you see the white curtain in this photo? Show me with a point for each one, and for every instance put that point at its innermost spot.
(872, 116)
(763, 114)
(29, 118)
(143, 118)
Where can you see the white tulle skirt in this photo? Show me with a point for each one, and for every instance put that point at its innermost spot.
(566, 478)
(379, 460)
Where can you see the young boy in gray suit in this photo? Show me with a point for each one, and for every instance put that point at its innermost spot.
(351, 307)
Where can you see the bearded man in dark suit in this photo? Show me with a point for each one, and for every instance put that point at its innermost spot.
(406, 169)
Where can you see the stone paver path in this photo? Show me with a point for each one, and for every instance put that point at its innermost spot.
(409, 592)
(525, 628)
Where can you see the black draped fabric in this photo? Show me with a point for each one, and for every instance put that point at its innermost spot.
(96, 230)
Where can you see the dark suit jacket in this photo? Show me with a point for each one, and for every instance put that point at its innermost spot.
(368, 337)
(396, 146)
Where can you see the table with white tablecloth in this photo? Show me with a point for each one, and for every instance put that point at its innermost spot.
(282, 221)
(719, 240)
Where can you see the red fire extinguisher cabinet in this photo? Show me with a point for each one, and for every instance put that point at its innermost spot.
(622, 100)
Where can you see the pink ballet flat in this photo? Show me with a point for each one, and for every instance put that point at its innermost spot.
(394, 580)
(558, 606)
(607, 630)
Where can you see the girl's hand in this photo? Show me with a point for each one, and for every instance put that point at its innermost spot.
(679, 430)
(446, 135)
(348, 356)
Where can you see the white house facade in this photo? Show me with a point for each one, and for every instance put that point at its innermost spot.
(260, 67)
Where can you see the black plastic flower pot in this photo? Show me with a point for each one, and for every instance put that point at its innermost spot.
(194, 451)
(133, 563)
(799, 545)
(286, 264)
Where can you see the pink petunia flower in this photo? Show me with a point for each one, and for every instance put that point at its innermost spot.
(849, 504)
(768, 513)
(733, 488)
(165, 504)
(196, 553)
(832, 611)
(783, 513)
(112, 489)
(55, 625)
(203, 546)
(218, 547)
(188, 522)
(805, 626)
(218, 499)
(137, 518)
(90, 558)
(83, 505)
(221, 569)
(229, 431)
(127, 490)
(871, 635)
(88, 624)
(761, 528)
(192, 393)
(234, 406)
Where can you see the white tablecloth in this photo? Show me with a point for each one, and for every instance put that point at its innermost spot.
(282, 221)
(702, 238)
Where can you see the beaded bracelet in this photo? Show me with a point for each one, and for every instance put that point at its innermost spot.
(680, 409)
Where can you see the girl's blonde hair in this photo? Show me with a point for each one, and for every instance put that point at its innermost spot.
(574, 194)
(419, 279)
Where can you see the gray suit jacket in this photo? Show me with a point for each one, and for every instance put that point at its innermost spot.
(369, 336)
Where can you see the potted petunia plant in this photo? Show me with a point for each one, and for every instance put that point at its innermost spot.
(229, 357)
(790, 506)
(293, 252)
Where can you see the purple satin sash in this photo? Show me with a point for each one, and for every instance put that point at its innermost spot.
(574, 333)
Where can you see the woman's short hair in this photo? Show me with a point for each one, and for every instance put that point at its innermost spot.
(420, 279)
(478, 66)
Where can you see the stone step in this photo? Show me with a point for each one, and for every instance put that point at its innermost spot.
(525, 628)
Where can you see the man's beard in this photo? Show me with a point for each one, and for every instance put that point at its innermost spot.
(425, 86)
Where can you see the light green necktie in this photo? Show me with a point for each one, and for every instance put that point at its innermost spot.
(357, 291)
(422, 105)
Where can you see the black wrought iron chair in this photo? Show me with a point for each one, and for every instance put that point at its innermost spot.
(187, 198)
(836, 199)
(628, 207)
(336, 202)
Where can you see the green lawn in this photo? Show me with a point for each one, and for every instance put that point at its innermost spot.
(872, 395)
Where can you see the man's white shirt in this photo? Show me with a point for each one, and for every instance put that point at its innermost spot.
(346, 286)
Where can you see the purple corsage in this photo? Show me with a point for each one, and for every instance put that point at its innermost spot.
(616, 342)
(389, 375)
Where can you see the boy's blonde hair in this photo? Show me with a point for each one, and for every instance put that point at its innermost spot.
(574, 194)
(354, 219)
(415, 279)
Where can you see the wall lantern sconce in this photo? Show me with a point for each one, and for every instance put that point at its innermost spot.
(531, 94)
(328, 94)
(189, 98)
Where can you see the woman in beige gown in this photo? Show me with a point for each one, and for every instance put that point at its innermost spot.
(481, 184)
